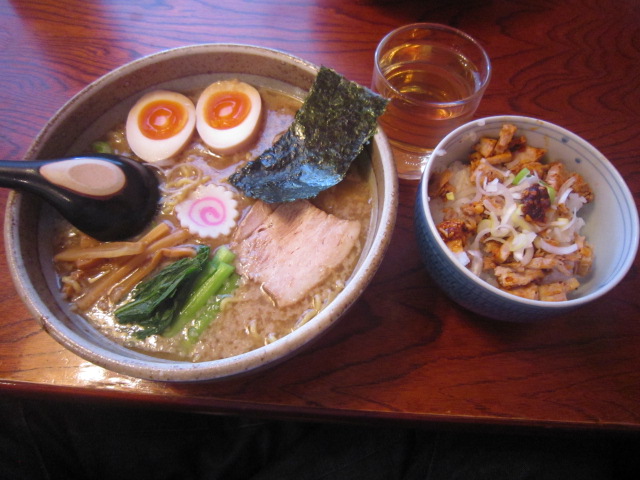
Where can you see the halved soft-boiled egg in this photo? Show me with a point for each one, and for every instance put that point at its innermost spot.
(160, 124)
(228, 115)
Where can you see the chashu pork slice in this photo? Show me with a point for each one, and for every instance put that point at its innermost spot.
(292, 247)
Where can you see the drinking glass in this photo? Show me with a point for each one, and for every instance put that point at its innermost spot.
(434, 77)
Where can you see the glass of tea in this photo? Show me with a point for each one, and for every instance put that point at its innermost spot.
(434, 76)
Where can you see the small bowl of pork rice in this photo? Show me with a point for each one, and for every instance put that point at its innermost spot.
(520, 220)
(277, 198)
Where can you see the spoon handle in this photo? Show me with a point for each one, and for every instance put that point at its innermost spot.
(92, 177)
(105, 196)
(17, 174)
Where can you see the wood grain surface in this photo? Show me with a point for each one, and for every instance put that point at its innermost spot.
(404, 352)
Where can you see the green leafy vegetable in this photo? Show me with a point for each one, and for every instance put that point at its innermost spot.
(157, 301)
(328, 133)
(207, 285)
(210, 311)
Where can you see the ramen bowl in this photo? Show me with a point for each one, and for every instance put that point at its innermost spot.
(95, 110)
(611, 222)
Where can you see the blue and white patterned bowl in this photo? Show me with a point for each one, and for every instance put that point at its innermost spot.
(611, 222)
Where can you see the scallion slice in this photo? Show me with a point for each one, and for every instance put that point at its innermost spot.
(550, 190)
(521, 176)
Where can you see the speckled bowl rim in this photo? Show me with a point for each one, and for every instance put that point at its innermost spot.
(151, 368)
(628, 200)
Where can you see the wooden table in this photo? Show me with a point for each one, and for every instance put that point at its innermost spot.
(404, 352)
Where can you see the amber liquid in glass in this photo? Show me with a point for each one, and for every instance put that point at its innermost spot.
(427, 87)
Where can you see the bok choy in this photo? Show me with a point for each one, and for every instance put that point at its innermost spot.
(184, 296)
(156, 301)
(208, 284)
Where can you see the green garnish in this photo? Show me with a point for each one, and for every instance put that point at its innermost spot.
(157, 301)
(327, 134)
(210, 311)
(522, 174)
(101, 147)
(525, 172)
(550, 190)
(208, 284)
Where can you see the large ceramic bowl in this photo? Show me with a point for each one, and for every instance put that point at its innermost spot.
(611, 222)
(96, 109)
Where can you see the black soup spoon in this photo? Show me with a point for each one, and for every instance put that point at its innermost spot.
(105, 196)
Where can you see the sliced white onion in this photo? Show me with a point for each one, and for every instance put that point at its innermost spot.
(479, 190)
(488, 205)
(563, 198)
(575, 202)
(522, 241)
(527, 256)
(508, 212)
(492, 186)
(476, 262)
(568, 224)
(562, 191)
(525, 183)
(555, 249)
(462, 257)
(479, 236)
(502, 230)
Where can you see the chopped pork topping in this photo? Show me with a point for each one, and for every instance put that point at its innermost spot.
(518, 277)
(506, 134)
(513, 218)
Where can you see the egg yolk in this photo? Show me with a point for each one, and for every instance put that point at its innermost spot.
(225, 110)
(162, 119)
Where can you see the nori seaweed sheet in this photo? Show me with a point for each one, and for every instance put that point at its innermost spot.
(328, 132)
